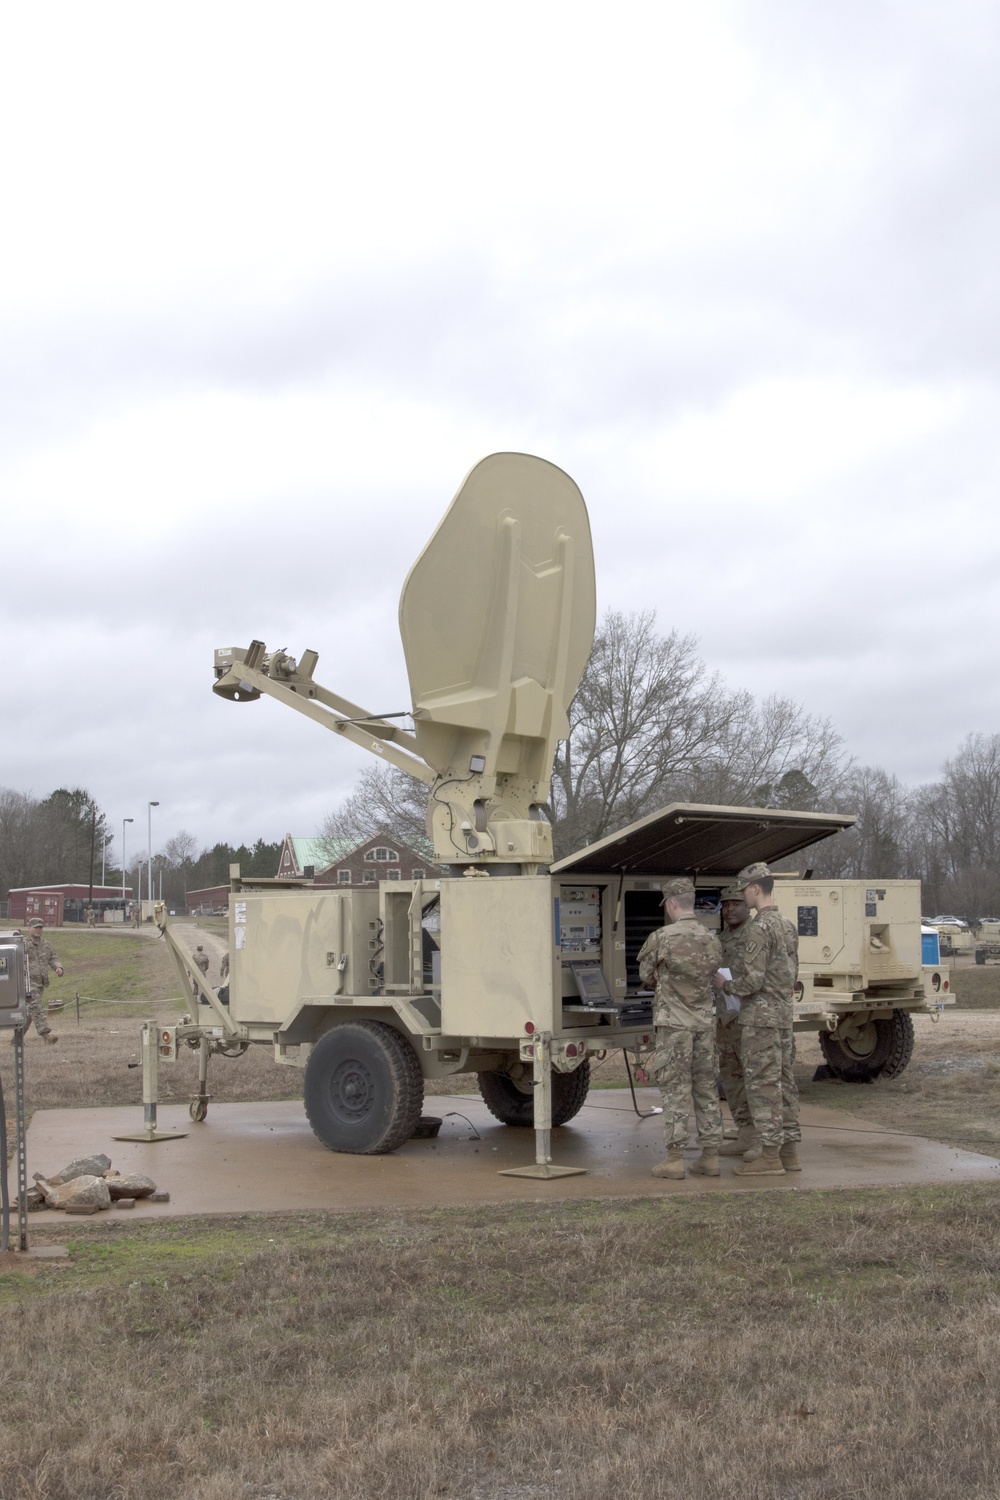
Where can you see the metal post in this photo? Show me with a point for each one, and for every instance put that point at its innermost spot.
(21, 1127)
(149, 841)
(124, 821)
(150, 1041)
(541, 1068)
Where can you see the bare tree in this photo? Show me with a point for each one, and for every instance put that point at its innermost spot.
(880, 843)
(646, 717)
(18, 839)
(384, 800)
(771, 753)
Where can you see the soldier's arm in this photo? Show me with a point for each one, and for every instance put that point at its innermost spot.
(54, 962)
(749, 975)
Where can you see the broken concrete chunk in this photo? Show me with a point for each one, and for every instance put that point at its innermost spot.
(159, 1197)
(132, 1185)
(85, 1166)
(124, 1202)
(86, 1189)
(80, 1208)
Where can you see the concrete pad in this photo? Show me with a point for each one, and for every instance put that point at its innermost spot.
(260, 1158)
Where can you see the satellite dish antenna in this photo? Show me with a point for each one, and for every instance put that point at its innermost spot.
(497, 619)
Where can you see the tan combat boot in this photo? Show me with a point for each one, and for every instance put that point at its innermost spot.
(767, 1164)
(673, 1167)
(707, 1164)
(51, 1038)
(744, 1142)
(790, 1157)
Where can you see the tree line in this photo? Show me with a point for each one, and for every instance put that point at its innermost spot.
(651, 725)
(61, 838)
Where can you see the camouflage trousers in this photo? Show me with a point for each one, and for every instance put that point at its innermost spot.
(36, 1013)
(684, 1068)
(789, 1088)
(762, 1055)
(727, 1040)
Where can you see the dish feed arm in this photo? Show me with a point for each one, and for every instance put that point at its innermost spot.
(243, 676)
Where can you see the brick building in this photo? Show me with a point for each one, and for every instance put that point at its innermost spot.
(355, 863)
(56, 904)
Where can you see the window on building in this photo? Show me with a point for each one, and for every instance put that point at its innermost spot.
(383, 855)
(417, 874)
(343, 877)
(392, 875)
(369, 877)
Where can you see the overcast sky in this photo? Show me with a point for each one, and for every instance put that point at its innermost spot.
(275, 277)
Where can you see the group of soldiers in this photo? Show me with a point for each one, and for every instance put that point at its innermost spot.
(723, 1008)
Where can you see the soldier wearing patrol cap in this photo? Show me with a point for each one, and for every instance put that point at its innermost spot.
(679, 960)
(40, 958)
(763, 982)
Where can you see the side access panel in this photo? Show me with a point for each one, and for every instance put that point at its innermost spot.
(296, 948)
(498, 967)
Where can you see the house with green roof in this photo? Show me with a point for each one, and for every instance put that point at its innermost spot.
(355, 862)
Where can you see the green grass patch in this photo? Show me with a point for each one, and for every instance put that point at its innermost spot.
(109, 968)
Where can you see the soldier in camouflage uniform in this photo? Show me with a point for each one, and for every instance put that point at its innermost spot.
(679, 960)
(40, 959)
(763, 984)
(736, 925)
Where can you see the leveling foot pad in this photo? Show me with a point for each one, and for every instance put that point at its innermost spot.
(544, 1172)
(153, 1135)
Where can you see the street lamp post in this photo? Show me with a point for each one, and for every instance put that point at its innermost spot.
(124, 821)
(149, 840)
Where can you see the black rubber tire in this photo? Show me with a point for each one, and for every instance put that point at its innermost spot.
(364, 1090)
(882, 1055)
(198, 1110)
(980, 956)
(512, 1105)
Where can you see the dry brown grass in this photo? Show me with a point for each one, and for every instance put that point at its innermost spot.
(776, 1347)
(780, 1346)
(950, 1092)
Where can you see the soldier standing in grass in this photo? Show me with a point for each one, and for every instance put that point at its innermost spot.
(736, 926)
(41, 959)
(679, 960)
(763, 984)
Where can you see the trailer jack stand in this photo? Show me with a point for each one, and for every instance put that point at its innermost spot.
(150, 1090)
(541, 1058)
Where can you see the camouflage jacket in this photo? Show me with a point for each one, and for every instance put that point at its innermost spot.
(763, 977)
(731, 941)
(40, 958)
(680, 961)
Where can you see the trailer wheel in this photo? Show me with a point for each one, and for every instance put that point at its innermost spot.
(513, 1103)
(363, 1088)
(198, 1110)
(879, 1049)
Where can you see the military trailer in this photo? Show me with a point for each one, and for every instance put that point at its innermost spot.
(514, 966)
(861, 957)
(954, 936)
(988, 940)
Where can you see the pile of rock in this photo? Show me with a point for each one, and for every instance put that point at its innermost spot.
(89, 1184)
